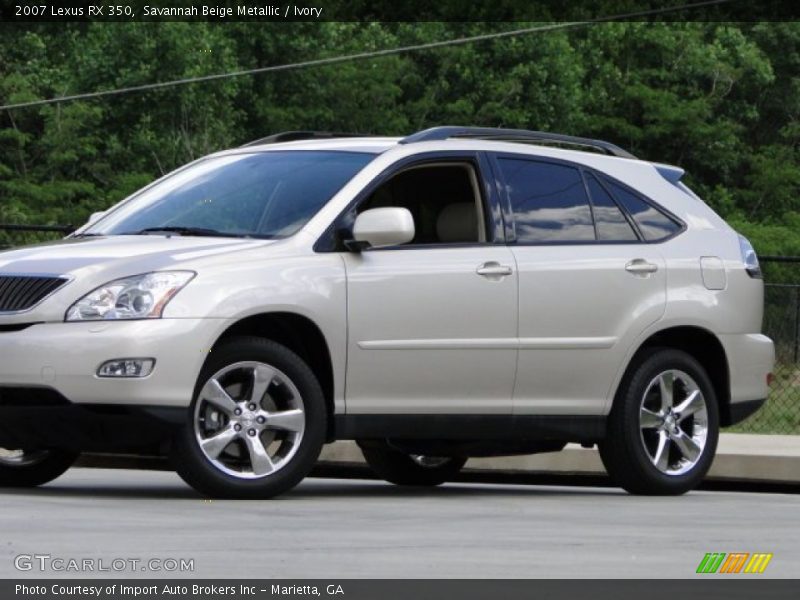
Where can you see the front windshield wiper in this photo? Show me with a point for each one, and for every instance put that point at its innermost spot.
(83, 235)
(198, 231)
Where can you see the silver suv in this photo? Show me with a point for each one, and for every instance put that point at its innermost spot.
(459, 292)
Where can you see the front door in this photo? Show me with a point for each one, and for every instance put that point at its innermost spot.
(433, 323)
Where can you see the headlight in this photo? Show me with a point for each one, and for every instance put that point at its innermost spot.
(749, 257)
(138, 297)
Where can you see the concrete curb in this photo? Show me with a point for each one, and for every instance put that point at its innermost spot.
(740, 457)
(743, 461)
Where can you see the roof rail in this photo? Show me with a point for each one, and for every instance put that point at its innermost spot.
(513, 135)
(292, 136)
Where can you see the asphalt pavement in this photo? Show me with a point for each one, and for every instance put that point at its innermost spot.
(334, 528)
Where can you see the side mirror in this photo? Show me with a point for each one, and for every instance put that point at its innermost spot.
(378, 227)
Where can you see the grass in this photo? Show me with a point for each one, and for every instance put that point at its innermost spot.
(781, 413)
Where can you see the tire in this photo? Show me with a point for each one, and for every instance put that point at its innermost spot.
(651, 447)
(277, 435)
(31, 468)
(406, 469)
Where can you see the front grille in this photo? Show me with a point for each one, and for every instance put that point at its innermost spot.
(21, 292)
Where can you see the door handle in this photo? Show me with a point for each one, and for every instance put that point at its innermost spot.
(493, 270)
(640, 266)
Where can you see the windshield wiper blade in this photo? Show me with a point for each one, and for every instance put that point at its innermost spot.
(198, 231)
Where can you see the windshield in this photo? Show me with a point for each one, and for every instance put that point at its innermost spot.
(265, 195)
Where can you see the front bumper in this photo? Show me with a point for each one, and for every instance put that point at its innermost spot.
(65, 357)
(41, 418)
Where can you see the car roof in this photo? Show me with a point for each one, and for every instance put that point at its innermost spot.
(443, 133)
(379, 145)
(373, 145)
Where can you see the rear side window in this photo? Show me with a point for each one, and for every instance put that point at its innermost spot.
(549, 201)
(612, 226)
(653, 223)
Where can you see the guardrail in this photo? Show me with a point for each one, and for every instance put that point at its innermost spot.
(19, 235)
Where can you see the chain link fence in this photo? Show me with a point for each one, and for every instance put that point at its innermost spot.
(781, 414)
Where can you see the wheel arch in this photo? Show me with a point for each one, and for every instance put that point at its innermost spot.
(303, 337)
(703, 346)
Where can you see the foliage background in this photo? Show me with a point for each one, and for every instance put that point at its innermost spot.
(721, 100)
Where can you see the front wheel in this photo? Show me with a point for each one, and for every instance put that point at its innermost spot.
(409, 469)
(30, 468)
(257, 422)
(664, 426)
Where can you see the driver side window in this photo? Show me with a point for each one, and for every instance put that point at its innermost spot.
(443, 199)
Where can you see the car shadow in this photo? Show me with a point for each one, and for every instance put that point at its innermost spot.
(330, 482)
(316, 488)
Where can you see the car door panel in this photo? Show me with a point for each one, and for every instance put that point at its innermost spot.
(428, 333)
(580, 309)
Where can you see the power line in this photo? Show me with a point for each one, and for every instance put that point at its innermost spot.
(365, 55)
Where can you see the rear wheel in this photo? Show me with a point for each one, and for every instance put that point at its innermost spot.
(401, 468)
(29, 468)
(257, 422)
(663, 428)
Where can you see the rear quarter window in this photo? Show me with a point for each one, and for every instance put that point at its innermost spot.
(611, 224)
(653, 223)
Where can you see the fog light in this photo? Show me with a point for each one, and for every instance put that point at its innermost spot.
(126, 367)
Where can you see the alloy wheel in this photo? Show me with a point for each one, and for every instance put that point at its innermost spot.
(249, 420)
(673, 422)
(21, 458)
(430, 462)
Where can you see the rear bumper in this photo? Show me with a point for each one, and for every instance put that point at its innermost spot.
(739, 411)
(751, 357)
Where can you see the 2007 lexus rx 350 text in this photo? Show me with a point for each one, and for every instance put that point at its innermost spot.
(459, 292)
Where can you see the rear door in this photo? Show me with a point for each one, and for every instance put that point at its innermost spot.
(588, 284)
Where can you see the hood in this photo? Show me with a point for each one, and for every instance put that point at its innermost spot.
(154, 252)
(92, 261)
